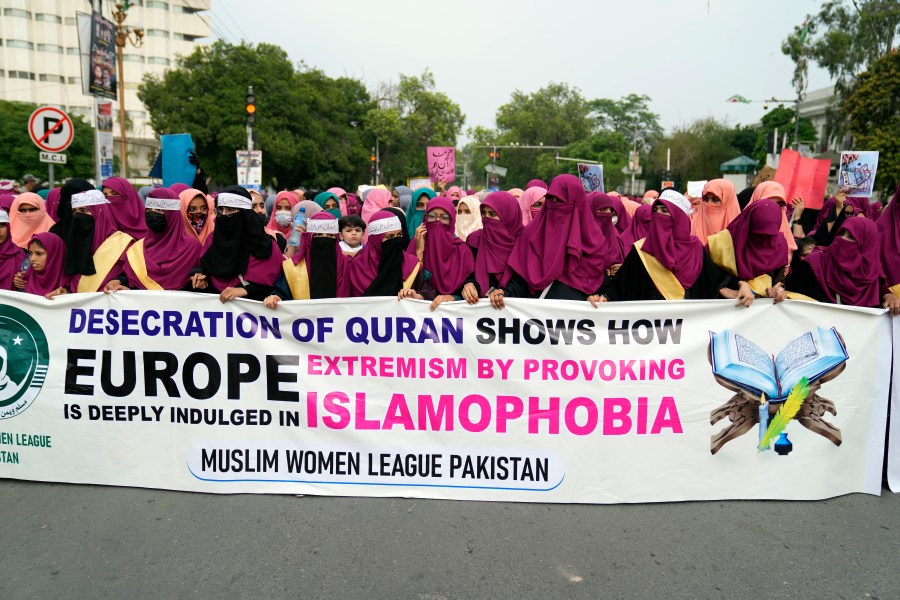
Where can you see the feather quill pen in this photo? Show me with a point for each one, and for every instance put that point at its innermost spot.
(787, 412)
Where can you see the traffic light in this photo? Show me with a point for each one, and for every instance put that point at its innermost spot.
(250, 106)
(494, 154)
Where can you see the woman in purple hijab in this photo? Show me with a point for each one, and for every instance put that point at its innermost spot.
(640, 221)
(604, 210)
(443, 255)
(165, 258)
(752, 249)
(318, 269)
(562, 254)
(45, 276)
(11, 256)
(889, 238)
(6, 201)
(383, 267)
(127, 206)
(95, 248)
(501, 220)
(846, 272)
(668, 264)
(834, 213)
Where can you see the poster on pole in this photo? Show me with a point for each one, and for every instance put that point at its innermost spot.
(545, 401)
(249, 169)
(857, 172)
(591, 176)
(102, 71)
(105, 137)
(441, 163)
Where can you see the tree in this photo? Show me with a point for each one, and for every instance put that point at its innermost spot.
(410, 117)
(20, 155)
(843, 38)
(697, 151)
(309, 126)
(783, 120)
(628, 116)
(875, 118)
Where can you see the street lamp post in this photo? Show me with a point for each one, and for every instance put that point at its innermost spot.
(134, 36)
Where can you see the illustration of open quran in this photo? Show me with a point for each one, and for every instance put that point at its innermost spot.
(762, 382)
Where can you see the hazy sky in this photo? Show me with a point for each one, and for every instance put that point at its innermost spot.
(687, 55)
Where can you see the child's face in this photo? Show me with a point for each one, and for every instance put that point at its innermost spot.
(807, 249)
(352, 236)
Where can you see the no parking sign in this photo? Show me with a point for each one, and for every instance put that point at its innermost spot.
(50, 129)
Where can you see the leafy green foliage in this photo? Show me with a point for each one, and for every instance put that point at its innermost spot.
(414, 117)
(309, 126)
(782, 119)
(875, 118)
(20, 155)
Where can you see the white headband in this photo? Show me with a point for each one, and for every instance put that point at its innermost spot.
(88, 198)
(233, 200)
(163, 203)
(322, 226)
(4, 216)
(384, 226)
(678, 200)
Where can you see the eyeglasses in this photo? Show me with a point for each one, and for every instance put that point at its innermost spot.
(431, 217)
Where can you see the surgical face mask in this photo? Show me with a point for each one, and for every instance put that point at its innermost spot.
(156, 222)
(283, 218)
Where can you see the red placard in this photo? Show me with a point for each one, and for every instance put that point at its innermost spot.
(803, 178)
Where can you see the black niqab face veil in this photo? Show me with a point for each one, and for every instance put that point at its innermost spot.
(235, 239)
(389, 280)
(64, 208)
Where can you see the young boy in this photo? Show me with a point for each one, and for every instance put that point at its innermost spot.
(352, 228)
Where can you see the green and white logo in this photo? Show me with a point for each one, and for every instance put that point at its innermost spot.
(24, 359)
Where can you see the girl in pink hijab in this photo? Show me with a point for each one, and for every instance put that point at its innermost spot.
(774, 191)
(27, 217)
(198, 213)
(454, 192)
(468, 216)
(530, 203)
(342, 198)
(377, 199)
(281, 219)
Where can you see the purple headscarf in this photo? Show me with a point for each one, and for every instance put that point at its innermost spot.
(875, 210)
(850, 269)
(171, 254)
(11, 257)
(759, 245)
(889, 236)
(669, 240)
(365, 265)
(640, 221)
(447, 257)
(52, 277)
(127, 207)
(6, 201)
(496, 239)
(618, 246)
(175, 187)
(536, 183)
(53, 203)
(860, 205)
(563, 242)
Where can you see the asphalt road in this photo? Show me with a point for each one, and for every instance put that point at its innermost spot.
(71, 541)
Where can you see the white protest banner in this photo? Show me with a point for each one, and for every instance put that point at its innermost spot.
(695, 188)
(545, 401)
(893, 461)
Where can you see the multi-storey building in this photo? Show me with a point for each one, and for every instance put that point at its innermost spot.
(40, 62)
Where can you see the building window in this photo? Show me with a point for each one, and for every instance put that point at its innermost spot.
(21, 75)
(48, 18)
(50, 48)
(157, 33)
(133, 58)
(72, 51)
(52, 78)
(19, 44)
(70, 20)
(185, 37)
(156, 60)
(16, 12)
(156, 4)
(73, 80)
